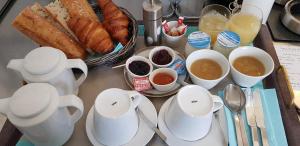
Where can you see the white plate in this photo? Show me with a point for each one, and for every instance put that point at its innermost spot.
(144, 133)
(154, 92)
(217, 135)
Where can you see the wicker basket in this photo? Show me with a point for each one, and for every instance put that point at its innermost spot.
(113, 58)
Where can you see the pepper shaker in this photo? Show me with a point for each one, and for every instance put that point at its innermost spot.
(152, 17)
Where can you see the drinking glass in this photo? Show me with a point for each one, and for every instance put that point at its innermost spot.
(213, 20)
(246, 23)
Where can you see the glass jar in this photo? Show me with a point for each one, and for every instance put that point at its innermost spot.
(226, 42)
(196, 41)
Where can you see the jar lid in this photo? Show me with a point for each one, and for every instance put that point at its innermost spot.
(228, 39)
(41, 60)
(199, 39)
(30, 100)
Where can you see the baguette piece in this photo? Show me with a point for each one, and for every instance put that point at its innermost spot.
(79, 8)
(38, 27)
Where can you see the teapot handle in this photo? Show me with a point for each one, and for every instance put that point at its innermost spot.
(4, 105)
(78, 63)
(72, 101)
(136, 98)
(218, 103)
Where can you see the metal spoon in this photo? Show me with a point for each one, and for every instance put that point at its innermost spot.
(235, 100)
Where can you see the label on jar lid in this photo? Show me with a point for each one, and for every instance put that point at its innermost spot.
(141, 83)
(199, 39)
(228, 39)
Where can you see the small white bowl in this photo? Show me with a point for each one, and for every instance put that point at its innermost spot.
(137, 58)
(156, 49)
(172, 40)
(246, 80)
(167, 87)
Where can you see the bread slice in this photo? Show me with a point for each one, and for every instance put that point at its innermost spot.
(79, 8)
(35, 23)
(60, 14)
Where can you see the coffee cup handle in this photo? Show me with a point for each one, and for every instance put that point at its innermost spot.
(218, 103)
(136, 98)
(78, 63)
(72, 101)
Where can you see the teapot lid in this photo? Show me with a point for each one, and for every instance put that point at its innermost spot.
(42, 60)
(30, 100)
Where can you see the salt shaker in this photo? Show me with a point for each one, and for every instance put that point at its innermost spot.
(152, 17)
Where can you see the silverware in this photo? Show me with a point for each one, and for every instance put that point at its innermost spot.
(151, 125)
(251, 116)
(259, 115)
(235, 100)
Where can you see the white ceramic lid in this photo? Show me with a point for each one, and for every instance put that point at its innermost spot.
(30, 100)
(42, 60)
(112, 103)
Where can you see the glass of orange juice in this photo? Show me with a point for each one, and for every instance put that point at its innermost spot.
(246, 23)
(213, 20)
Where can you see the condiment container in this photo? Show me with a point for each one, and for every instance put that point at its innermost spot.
(196, 41)
(41, 114)
(152, 17)
(226, 42)
(50, 65)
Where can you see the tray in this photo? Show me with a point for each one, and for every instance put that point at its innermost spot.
(109, 59)
(153, 92)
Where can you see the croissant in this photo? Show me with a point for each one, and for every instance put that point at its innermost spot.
(92, 34)
(115, 21)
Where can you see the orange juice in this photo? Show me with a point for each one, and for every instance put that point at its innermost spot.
(245, 25)
(213, 23)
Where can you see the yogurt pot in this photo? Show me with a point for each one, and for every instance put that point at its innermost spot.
(226, 42)
(196, 41)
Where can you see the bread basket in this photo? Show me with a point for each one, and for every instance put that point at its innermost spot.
(112, 58)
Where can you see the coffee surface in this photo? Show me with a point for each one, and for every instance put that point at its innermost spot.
(206, 69)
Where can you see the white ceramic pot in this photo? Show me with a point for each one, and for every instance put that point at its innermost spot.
(243, 79)
(115, 119)
(50, 65)
(173, 41)
(156, 49)
(167, 87)
(41, 114)
(207, 54)
(189, 115)
(131, 75)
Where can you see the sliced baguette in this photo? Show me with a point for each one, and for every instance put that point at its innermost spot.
(38, 26)
(60, 14)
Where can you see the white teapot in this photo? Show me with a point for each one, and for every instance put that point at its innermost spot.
(50, 65)
(41, 114)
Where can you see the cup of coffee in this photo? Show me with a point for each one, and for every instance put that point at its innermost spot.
(115, 119)
(207, 67)
(249, 65)
(189, 115)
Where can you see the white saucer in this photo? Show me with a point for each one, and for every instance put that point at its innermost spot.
(144, 133)
(213, 138)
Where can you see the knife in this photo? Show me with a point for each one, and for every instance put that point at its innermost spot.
(151, 125)
(251, 116)
(259, 115)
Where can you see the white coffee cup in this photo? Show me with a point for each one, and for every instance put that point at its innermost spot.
(50, 65)
(137, 58)
(246, 80)
(167, 87)
(115, 119)
(189, 115)
(207, 54)
(41, 114)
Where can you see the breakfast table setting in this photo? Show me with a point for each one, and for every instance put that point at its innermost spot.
(179, 85)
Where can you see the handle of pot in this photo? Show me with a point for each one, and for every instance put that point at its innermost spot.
(72, 101)
(218, 103)
(78, 63)
(4, 105)
(136, 98)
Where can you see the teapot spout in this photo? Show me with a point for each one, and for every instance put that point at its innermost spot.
(15, 64)
(4, 105)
